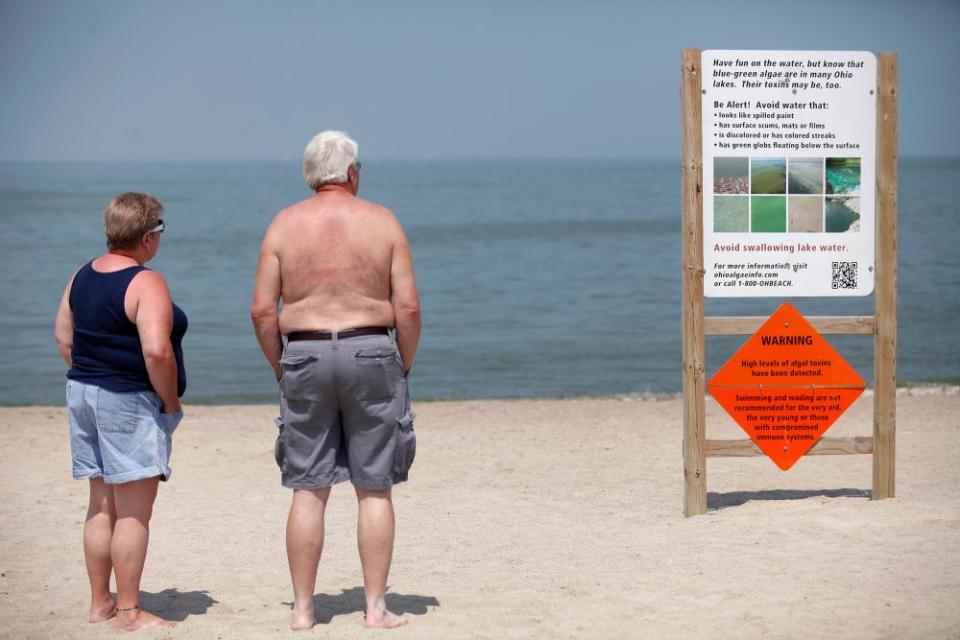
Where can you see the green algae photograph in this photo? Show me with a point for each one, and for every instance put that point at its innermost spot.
(768, 175)
(768, 214)
(731, 175)
(843, 176)
(806, 175)
(731, 214)
(805, 214)
(842, 214)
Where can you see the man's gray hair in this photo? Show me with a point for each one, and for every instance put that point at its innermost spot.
(327, 158)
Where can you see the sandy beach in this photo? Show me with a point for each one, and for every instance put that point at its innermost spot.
(522, 519)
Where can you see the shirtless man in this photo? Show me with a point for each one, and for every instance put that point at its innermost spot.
(343, 269)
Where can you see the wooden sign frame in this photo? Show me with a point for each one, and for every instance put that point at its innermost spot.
(695, 327)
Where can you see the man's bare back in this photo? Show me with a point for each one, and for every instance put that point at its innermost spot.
(335, 252)
(337, 262)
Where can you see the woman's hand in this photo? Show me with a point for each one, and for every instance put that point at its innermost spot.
(172, 409)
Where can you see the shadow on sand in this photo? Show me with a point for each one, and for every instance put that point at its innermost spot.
(717, 501)
(326, 606)
(176, 605)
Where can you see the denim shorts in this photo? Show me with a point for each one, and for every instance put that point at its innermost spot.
(120, 437)
(345, 414)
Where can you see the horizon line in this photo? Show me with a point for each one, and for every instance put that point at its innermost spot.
(395, 159)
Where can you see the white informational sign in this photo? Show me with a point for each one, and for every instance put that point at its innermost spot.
(789, 140)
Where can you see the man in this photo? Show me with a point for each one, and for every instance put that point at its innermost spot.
(343, 269)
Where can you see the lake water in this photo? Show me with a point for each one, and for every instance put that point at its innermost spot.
(538, 278)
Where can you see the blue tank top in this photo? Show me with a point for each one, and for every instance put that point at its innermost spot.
(106, 346)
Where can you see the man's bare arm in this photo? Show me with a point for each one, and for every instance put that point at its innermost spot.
(406, 302)
(264, 311)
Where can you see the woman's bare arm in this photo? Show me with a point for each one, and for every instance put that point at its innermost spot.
(153, 316)
(63, 326)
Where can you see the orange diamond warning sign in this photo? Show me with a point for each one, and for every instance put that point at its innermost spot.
(786, 386)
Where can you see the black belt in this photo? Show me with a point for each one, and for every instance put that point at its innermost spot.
(346, 333)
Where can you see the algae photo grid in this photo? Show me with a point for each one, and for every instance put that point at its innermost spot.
(778, 195)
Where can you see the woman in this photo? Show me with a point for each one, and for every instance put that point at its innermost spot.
(120, 333)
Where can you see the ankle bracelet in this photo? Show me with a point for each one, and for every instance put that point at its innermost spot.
(128, 608)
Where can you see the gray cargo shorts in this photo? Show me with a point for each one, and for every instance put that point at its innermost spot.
(344, 414)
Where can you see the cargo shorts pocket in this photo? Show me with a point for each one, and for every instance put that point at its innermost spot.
(406, 447)
(378, 370)
(295, 371)
(298, 384)
(278, 453)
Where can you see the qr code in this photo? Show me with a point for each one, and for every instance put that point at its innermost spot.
(844, 275)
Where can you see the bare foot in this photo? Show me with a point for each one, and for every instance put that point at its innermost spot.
(383, 620)
(101, 611)
(302, 620)
(138, 619)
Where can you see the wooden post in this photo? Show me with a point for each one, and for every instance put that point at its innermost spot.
(694, 384)
(885, 287)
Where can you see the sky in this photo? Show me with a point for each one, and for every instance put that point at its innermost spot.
(244, 80)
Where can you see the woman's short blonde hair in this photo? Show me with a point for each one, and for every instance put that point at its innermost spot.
(128, 217)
